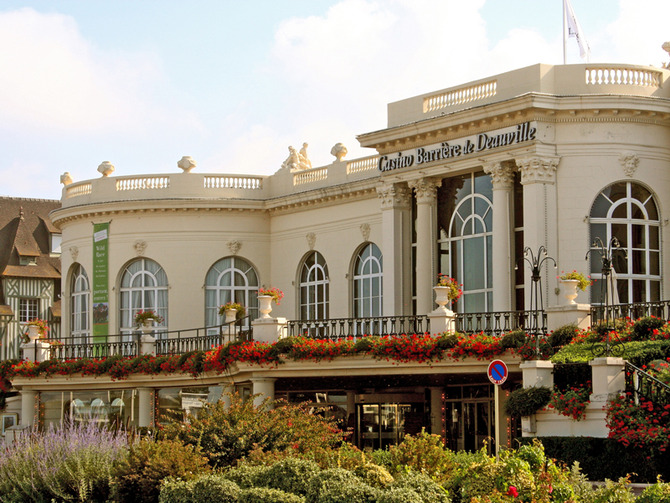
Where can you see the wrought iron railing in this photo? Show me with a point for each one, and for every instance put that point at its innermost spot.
(76, 348)
(342, 328)
(643, 384)
(167, 342)
(498, 323)
(659, 309)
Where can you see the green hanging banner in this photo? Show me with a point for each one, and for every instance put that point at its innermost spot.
(100, 282)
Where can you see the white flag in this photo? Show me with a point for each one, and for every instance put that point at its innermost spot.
(574, 30)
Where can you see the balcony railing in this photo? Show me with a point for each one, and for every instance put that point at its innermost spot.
(175, 342)
(498, 323)
(343, 328)
(659, 309)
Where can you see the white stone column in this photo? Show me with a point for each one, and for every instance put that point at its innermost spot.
(537, 373)
(145, 407)
(396, 248)
(269, 329)
(609, 378)
(262, 388)
(28, 403)
(540, 215)
(503, 232)
(426, 242)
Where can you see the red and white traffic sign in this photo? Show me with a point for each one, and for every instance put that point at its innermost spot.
(497, 372)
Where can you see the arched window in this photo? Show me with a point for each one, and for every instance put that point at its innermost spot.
(314, 288)
(628, 212)
(230, 280)
(465, 216)
(144, 285)
(80, 298)
(368, 282)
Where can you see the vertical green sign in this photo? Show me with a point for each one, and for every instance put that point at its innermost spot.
(100, 282)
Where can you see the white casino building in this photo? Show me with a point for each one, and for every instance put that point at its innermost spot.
(460, 181)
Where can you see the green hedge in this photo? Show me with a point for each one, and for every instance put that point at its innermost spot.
(637, 352)
(605, 458)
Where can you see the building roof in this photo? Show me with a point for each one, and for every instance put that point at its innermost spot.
(25, 230)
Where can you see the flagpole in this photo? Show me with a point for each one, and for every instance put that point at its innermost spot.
(564, 34)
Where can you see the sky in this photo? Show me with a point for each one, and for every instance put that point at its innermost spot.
(141, 83)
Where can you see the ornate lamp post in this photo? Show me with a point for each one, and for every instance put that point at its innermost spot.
(608, 285)
(536, 303)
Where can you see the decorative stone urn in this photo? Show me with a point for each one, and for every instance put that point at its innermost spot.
(442, 296)
(569, 288)
(231, 315)
(106, 168)
(265, 305)
(147, 326)
(33, 332)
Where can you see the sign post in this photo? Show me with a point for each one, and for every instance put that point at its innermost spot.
(497, 373)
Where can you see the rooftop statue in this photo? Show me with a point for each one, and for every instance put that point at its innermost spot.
(297, 160)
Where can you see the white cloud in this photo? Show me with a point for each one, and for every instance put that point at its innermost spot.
(53, 79)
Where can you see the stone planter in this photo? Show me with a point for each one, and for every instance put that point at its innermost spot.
(147, 326)
(265, 305)
(569, 289)
(231, 315)
(442, 296)
(33, 332)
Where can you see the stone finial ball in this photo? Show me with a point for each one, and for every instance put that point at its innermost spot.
(339, 151)
(186, 163)
(106, 168)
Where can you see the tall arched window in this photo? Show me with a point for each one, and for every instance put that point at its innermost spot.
(368, 282)
(144, 285)
(465, 217)
(314, 288)
(627, 211)
(230, 280)
(80, 298)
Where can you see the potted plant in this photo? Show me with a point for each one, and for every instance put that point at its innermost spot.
(147, 317)
(232, 311)
(447, 290)
(265, 298)
(572, 281)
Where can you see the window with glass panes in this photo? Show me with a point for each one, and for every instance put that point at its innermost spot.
(80, 297)
(144, 286)
(28, 309)
(368, 282)
(314, 287)
(231, 279)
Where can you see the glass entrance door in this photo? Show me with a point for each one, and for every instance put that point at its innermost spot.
(381, 424)
(469, 425)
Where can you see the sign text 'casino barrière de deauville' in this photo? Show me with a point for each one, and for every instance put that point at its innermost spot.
(463, 146)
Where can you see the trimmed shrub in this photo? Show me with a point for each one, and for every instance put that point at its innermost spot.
(571, 375)
(268, 495)
(423, 453)
(336, 485)
(656, 493)
(176, 491)
(400, 495)
(447, 341)
(138, 478)
(246, 476)
(428, 490)
(374, 475)
(562, 335)
(644, 328)
(527, 401)
(215, 489)
(514, 339)
(291, 475)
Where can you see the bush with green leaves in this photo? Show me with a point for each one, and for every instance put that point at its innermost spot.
(644, 327)
(215, 489)
(336, 485)
(655, 493)
(562, 335)
(373, 475)
(610, 492)
(227, 434)
(527, 401)
(246, 475)
(291, 475)
(268, 495)
(173, 490)
(138, 477)
(400, 495)
(514, 339)
(423, 453)
(70, 463)
(428, 490)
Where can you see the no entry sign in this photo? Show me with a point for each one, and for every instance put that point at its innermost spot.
(497, 372)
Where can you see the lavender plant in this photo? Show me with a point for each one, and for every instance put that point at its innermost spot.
(70, 463)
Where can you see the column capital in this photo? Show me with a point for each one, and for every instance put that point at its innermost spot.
(394, 195)
(501, 175)
(425, 189)
(536, 169)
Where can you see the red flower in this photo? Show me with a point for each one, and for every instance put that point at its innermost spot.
(512, 492)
